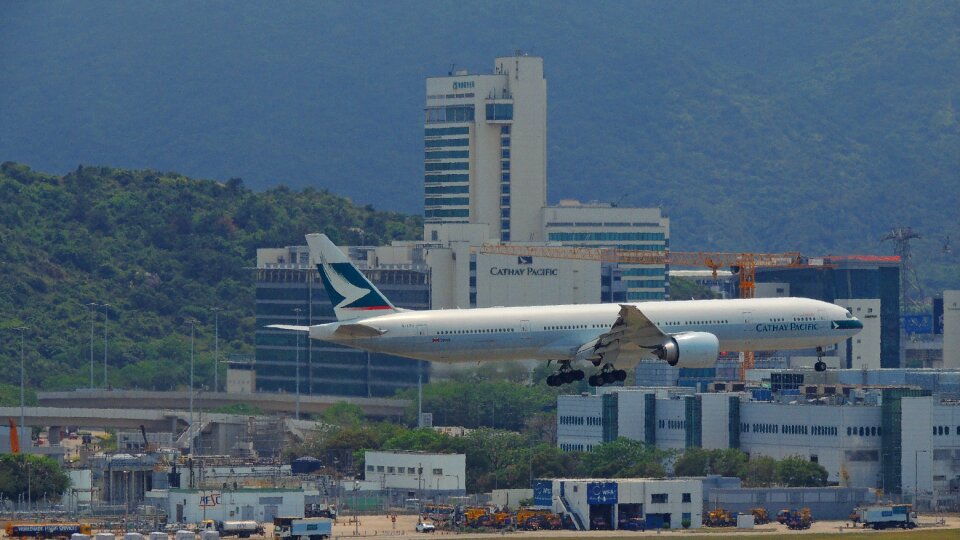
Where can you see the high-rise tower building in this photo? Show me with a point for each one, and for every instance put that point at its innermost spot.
(485, 143)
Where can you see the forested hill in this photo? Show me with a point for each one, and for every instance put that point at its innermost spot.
(759, 125)
(160, 248)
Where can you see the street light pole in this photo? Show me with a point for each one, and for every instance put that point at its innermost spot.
(916, 475)
(21, 329)
(216, 347)
(297, 335)
(106, 316)
(193, 324)
(93, 320)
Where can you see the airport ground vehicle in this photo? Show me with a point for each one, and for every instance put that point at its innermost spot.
(719, 517)
(887, 516)
(796, 519)
(242, 529)
(424, 527)
(760, 516)
(46, 530)
(302, 528)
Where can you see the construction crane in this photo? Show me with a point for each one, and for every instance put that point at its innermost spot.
(744, 264)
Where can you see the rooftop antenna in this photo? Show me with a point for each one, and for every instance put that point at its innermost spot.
(909, 281)
(453, 68)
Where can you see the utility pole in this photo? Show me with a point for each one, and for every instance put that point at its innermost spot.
(190, 434)
(297, 336)
(22, 330)
(106, 316)
(93, 320)
(216, 347)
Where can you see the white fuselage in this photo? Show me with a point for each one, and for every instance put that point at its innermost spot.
(557, 332)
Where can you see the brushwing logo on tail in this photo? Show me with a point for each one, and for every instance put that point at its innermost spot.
(347, 289)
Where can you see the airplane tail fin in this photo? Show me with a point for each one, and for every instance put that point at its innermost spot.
(351, 293)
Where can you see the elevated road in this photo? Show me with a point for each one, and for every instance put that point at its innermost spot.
(98, 398)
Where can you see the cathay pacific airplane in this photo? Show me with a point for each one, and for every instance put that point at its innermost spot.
(689, 333)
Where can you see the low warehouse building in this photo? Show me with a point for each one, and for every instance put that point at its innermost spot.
(624, 503)
(195, 505)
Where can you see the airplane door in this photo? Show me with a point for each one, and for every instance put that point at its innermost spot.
(524, 326)
(748, 330)
(422, 329)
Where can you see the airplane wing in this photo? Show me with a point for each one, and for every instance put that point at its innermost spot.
(632, 330)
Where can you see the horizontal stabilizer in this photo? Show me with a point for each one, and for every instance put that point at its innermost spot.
(289, 327)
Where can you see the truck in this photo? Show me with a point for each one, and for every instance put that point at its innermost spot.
(46, 530)
(242, 529)
(289, 528)
(884, 516)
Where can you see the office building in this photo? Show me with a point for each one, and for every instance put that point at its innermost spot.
(485, 149)
(289, 291)
(899, 439)
(850, 278)
(604, 225)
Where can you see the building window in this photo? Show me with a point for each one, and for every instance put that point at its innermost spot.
(411, 470)
(370, 468)
(658, 498)
(685, 497)
(499, 111)
(391, 470)
(438, 472)
(504, 129)
(379, 468)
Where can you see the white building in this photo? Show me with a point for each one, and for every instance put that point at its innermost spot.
(196, 505)
(598, 504)
(603, 225)
(485, 142)
(421, 474)
(897, 440)
(863, 350)
(951, 329)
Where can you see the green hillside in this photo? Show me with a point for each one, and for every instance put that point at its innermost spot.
(161, 249)
(758, 125)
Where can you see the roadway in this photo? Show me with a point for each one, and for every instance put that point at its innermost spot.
(99, 398)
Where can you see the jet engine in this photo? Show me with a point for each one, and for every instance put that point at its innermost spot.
(690, 349)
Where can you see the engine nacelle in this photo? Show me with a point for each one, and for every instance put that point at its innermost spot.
(690, 349)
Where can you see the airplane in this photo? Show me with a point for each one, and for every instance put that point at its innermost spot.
(688, 333)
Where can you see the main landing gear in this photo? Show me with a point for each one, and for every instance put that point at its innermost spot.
(565, 375)
(607, 375)
(820, 365)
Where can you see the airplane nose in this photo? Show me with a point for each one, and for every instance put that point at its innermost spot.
(856, 324)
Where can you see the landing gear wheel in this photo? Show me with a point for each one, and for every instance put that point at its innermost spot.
(820, 365)
(609, 377)
(552, 380)
(621, 375)
(595, 380)
(564, 375)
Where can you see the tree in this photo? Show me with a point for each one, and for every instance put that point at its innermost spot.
(761, 472)
(625, 458)
(33, 477)
(342, 413)
(698, 462)
(795, 471)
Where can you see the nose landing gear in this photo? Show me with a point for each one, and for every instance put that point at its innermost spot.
(820, 365)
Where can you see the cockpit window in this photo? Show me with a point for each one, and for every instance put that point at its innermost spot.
(849, 315)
